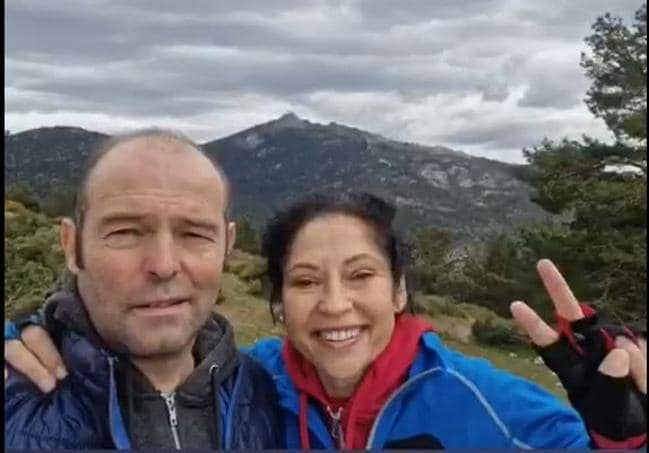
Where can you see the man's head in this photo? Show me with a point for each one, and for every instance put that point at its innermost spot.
(148, 241)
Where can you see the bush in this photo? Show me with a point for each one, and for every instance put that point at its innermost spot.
(33, 259)
(248, 238)
(495, 332)
(256, 288)
(245, 266)
(435, 305)
(23, 194)
(59, 202)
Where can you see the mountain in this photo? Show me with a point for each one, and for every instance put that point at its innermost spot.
(47, 157)
(275, 162)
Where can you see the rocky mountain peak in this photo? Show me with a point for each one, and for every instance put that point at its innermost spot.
(273, 163)
(289, 120)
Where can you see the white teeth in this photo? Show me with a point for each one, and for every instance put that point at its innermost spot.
(340, 335)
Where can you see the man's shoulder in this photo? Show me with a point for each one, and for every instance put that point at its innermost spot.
(267, 352)
(63, 418)
(256, 422)
(254, 371)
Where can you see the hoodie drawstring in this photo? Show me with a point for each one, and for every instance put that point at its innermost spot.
(220, 443)
(131, 404)
(304, 427)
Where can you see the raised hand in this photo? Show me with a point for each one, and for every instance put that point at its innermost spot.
(603, 368)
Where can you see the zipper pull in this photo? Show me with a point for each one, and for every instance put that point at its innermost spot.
(337, 426)
(173, 419)
(171, 407)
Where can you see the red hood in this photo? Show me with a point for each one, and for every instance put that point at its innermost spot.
(386, 373)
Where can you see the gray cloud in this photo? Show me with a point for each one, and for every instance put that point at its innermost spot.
(486, 76)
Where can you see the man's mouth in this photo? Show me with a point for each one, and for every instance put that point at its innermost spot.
(162, 303)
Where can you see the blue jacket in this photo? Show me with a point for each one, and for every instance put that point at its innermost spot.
(84, 413)
(461, 402)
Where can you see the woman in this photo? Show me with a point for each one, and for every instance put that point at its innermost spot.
(357, 371)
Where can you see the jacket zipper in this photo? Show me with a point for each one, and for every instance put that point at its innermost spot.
(337, 427)
(391, 398)
(117, 429)
(173, 419)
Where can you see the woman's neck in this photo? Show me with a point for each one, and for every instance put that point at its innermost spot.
(339, 387)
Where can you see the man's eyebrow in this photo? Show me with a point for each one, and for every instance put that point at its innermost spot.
(203, 224)
(123, 217)
(119, 217)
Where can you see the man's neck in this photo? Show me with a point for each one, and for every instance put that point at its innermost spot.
(167, 372)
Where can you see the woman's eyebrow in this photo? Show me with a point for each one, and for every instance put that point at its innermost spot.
(359, 257)
(302, 265)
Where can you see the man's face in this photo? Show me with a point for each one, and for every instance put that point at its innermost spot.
(154, 242)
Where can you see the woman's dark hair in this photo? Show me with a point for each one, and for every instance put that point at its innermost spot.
(281, 230)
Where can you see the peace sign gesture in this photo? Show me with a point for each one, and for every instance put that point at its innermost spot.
(603, 368)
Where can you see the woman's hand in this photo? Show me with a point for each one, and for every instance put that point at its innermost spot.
(35, 356)
(603, 368)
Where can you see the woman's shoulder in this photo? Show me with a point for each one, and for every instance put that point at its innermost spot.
(476, 373)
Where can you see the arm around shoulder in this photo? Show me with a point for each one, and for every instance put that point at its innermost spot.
(56, 420)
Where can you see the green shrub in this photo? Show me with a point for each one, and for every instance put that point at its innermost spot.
(496, 332)
(22, 193)
(33, 259)
(256, 288)
(245, 266)
(434, 305)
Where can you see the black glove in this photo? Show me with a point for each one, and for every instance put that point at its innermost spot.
(613, 409)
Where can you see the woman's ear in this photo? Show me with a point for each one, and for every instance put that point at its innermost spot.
(231, 237)
(401, 296)
(278, 312)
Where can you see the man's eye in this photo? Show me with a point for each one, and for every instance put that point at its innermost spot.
(198, 237)
(125, 232)
(124, 238)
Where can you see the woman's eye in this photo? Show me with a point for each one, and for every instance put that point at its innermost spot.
(362, 275)
(303, 282)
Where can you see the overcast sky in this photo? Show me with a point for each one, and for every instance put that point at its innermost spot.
(487, 77)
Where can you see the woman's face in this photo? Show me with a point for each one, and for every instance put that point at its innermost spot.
(339, 299)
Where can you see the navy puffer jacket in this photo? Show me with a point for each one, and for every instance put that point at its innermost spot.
(84, 412)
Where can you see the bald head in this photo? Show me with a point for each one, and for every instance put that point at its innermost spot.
(139, 146)
(150, 159)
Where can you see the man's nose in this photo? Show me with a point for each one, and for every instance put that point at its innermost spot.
(162, 260)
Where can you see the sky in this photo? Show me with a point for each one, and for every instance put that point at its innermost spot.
(487, 77)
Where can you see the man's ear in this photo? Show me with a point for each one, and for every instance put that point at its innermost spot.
(401, 296)
(232, 237)
(68, 238)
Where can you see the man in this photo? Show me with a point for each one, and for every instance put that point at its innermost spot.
(151, 365)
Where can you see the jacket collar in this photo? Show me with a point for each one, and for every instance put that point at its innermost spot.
(64, 315)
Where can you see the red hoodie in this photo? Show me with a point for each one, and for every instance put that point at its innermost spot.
(384, 376)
